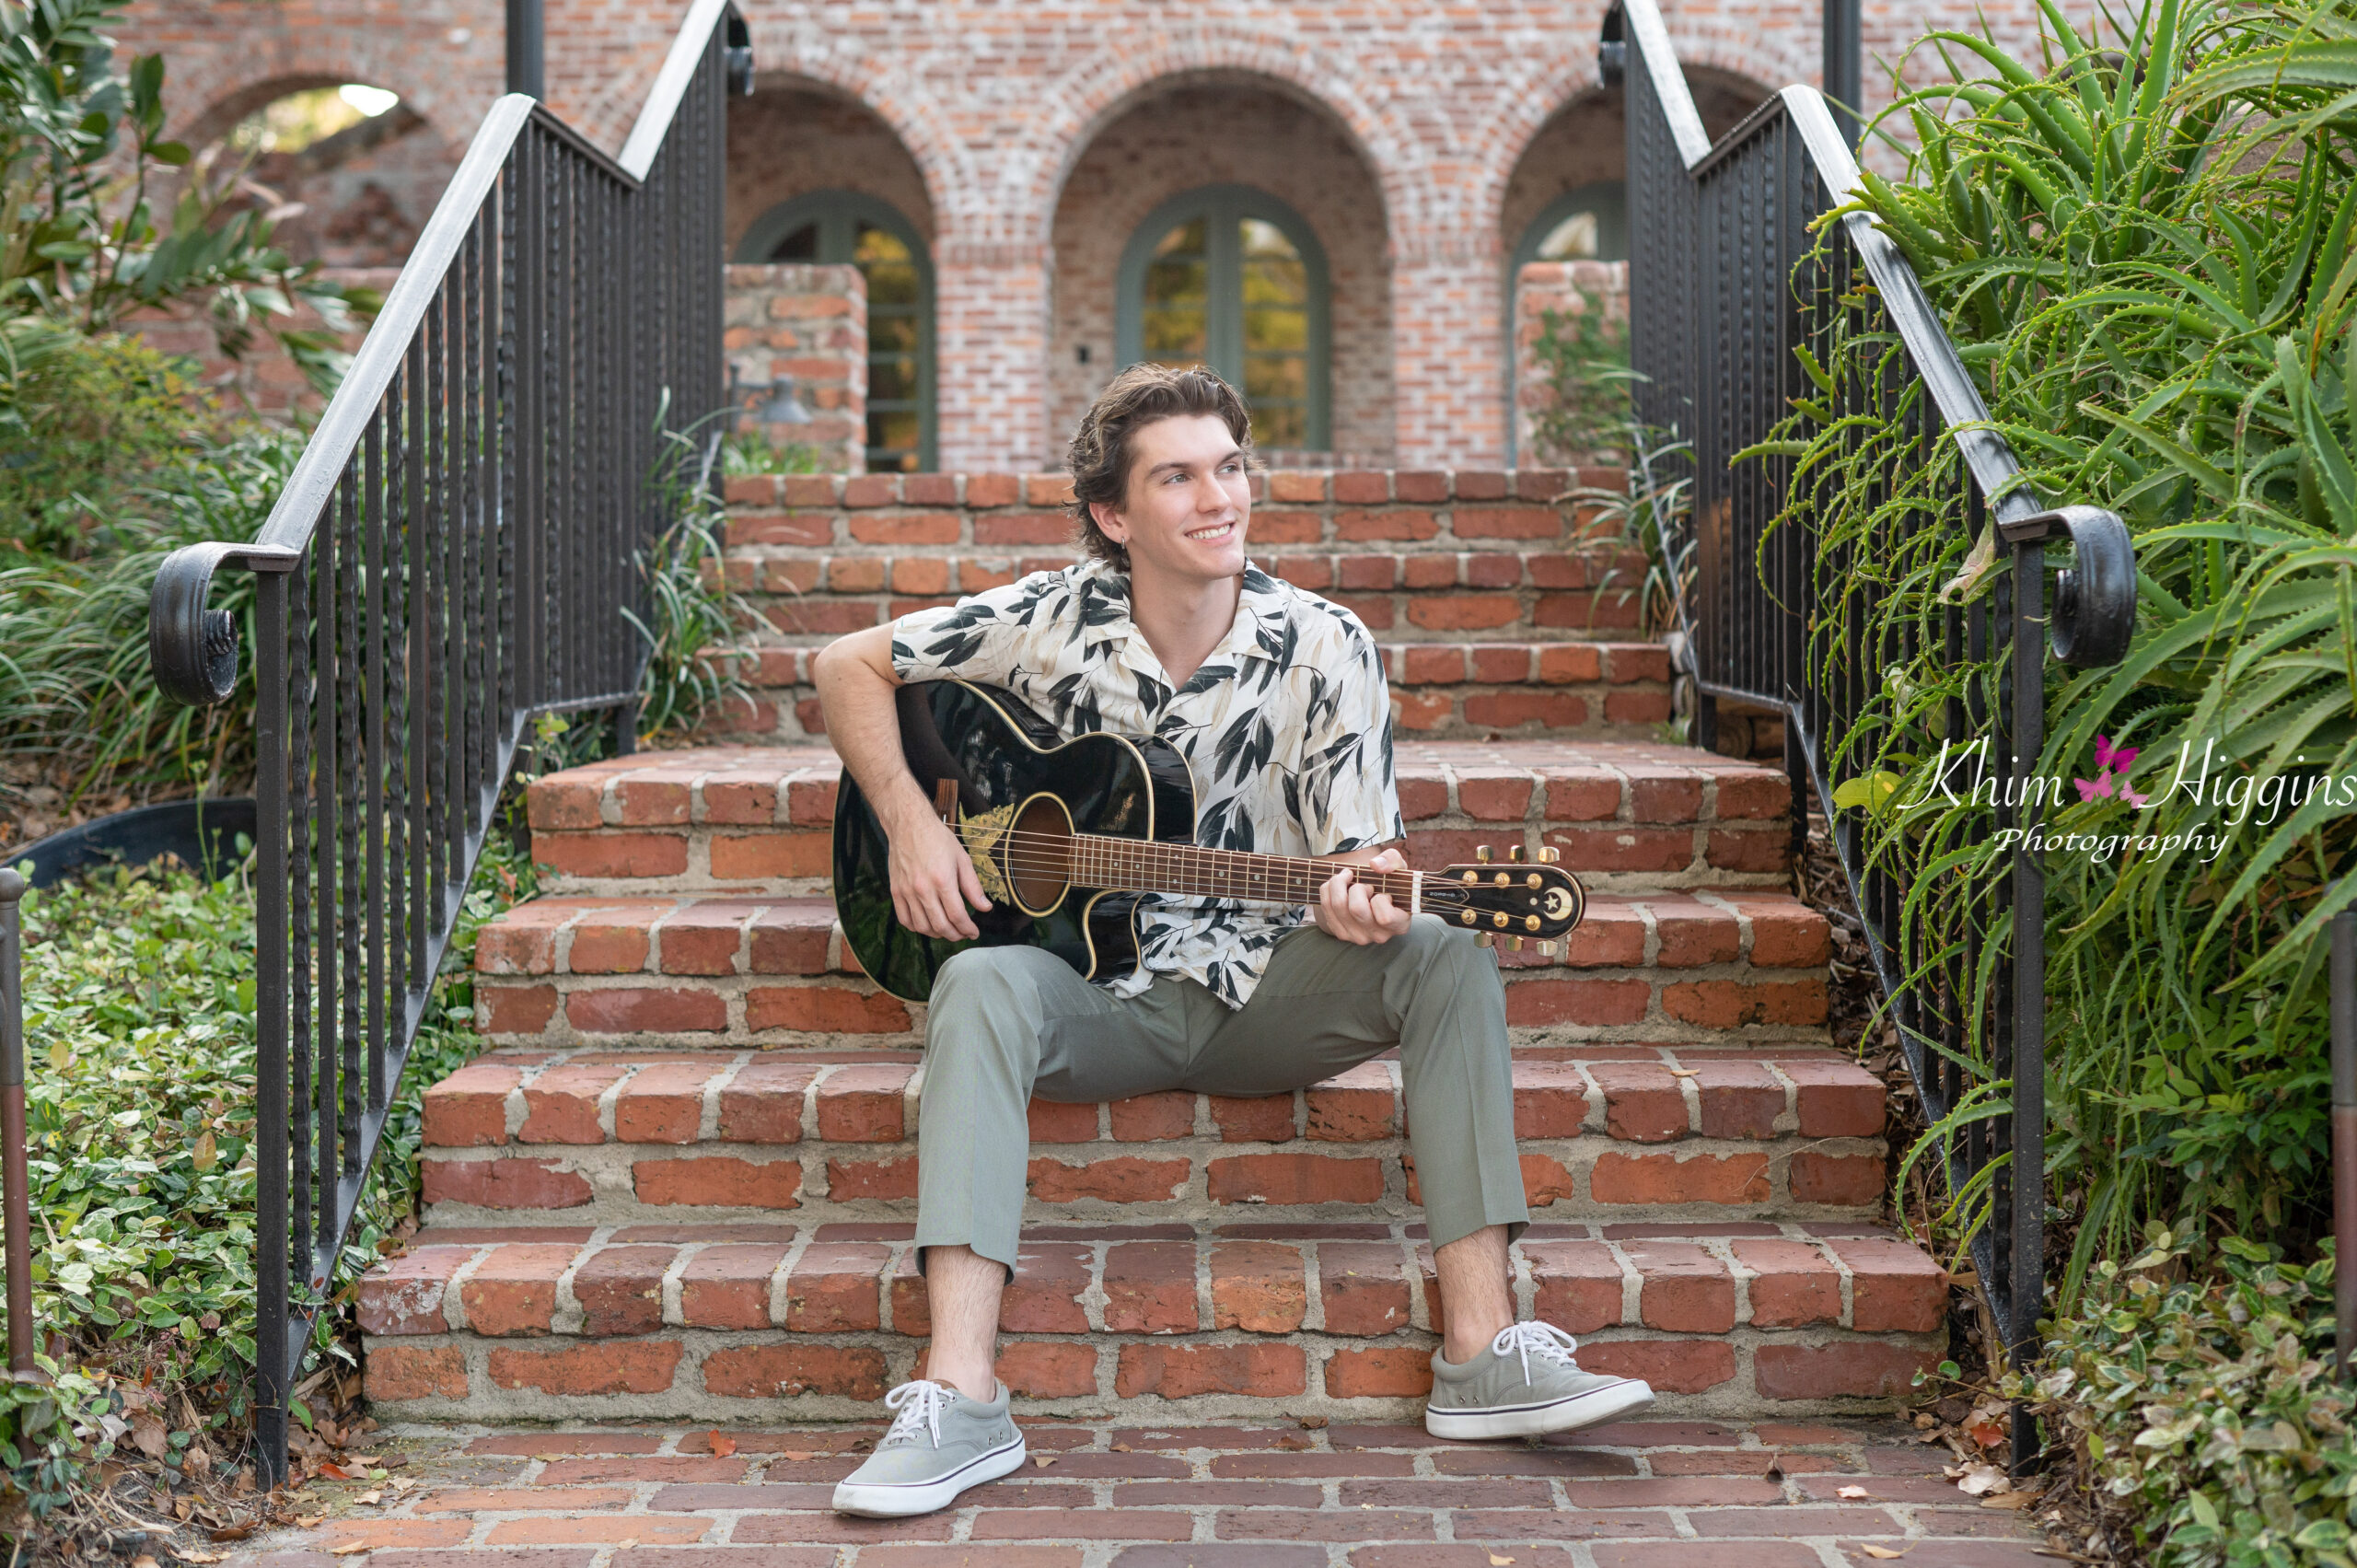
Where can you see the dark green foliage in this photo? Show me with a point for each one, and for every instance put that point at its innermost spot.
(86, 423)
(1583, 361)
(2205, 1411)
(2151, 275)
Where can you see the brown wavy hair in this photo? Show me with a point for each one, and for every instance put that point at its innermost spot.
(1100, 456)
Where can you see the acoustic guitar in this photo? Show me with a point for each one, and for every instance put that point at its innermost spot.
(1069, 834)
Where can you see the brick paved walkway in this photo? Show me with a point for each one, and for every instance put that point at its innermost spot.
(1658, 1494)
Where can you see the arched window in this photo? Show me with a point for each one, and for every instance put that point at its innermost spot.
(833, 228)
(1589, 224)
(1232, 278)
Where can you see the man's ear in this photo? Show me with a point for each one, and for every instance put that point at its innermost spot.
(1107, 516)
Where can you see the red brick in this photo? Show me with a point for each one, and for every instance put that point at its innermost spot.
(1732, 850)
(1664, 794)
(1286, 484)
(1287, 527)
(1664, 1179)
(1693, 934)
(703, 938)
(504, 1184)
(1037, 1370)
(1183, 1371)
(643, 1366)
(1052, 1122)
(749, 489)
(1423, 797)
(1372, 610)
(1505, 710)
(1740, 1100)
(1420, 711)
(772, 1371)
(1258, 1286)
(400, 1372)
(805, 528)
(871, 1178)
(1355, 527)
(584, 1529)
(1355, 1107)
(1629, 848)
(1731, 1003)
(1550, 1100)
(1642, 1101)
(1793, 1285)
(561, 1105)
(513, 1291)
(1853, 1181)
(1047, 490)
(1611, 934)
(820, 617)
(1685, 1289)
(748, 857)
(1545, 1181)
(1838, 1099)
(1150, 1288)
(610, 941)
(836, 1286)
(993, 490)
(728, 1287)
(1672, 1366)
(620, 1289)
(1893, 1287)
(1532, 1002)
(523, 940)
(1465, 612)
(468, 1108)
(646, 1010)
(663, 1103)
(403, 1294)
(1124, 1180)
(1564, 663)
(1421, 665)
(1760, 796)
(1504, 522)
(1260, 1120)
(864, 1104)
(1025, 528)
(1170, 1114)
(719, 1180)
(1363, 1287)
(1367, 572)
(1420, 485)
(824, 1009)
(1294, 1178)
(652, 802)
(1044, 1295)
(1496, 797)
(1360, 488)
(1862, 1369)
(1581, 796)
(1395, 1372)
(1428, 571)
(762, 1104)
(1578, 1283)
(515, 1010)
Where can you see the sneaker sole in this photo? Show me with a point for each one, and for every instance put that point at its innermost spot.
(898, 1501)
(1596, 1406)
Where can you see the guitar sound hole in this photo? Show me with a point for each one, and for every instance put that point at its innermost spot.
(1038, 862)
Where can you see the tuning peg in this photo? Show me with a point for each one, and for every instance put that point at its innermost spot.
(1547, 947)
(1485, 939)
(1514, 943)
(1549, 855)
(1531, 921)
(1481, 853)
(1514, 852)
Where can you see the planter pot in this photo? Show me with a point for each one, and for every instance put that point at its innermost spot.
(204, 833)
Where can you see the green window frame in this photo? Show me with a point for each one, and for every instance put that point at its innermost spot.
(1210, 274)
(901, 420)
(1608, 200)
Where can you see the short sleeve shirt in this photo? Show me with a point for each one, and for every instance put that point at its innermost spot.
(1286, 725)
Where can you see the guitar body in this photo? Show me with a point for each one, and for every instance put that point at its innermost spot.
(1001, 756)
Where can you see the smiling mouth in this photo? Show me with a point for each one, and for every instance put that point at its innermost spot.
(1216, 531)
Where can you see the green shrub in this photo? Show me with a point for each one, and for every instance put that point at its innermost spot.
(2151, 275)
(2205, 1411)
(750, 452)
(80, 424)
(1582, 357)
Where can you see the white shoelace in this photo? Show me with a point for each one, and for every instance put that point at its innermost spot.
(1542, 1340)
(920, 1405)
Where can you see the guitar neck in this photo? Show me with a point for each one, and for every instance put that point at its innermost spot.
(1187, 871)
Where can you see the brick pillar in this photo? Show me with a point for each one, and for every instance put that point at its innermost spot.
(1447, 343)
(991, 380)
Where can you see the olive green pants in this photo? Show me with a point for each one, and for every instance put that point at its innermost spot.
(1008, 1023)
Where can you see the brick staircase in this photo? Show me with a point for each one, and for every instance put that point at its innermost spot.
(682, 1185)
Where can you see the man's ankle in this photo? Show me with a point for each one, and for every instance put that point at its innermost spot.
(982, 1389)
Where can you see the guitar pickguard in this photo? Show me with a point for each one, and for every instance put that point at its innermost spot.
(981, 832)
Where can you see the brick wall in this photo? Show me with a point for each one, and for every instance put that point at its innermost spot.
(801, 331)
(1567, 287)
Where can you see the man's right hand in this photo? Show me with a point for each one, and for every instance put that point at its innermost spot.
(933, 879)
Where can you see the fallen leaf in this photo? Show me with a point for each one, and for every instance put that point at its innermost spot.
(1314, 1423)
(1043, 1460)
(795, 1457)
(1686, 1072)
(1853, 1492)
(334, 1472)
(1497, 1561)
(347, 1549)
(2010, 1500)
(401, 1483)
(1882, 1552)
(190, 1554)
(374, 1494)
(232, 1532)
(1121, 1447)
(722, 1445)
(149, 1433)
(1980, 1480)
(305, 1521)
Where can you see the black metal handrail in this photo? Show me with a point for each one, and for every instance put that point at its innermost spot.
(1726, 281)
(455, 553)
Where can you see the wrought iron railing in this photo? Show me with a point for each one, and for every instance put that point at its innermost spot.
(454, 553)
(1726, 280)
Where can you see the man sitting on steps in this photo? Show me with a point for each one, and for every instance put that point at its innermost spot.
(1277, 698)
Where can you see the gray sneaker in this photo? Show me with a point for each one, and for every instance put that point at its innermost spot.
(1526, 1383)
(940, 1444)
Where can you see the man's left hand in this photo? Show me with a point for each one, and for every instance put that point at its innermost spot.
(1349, 908)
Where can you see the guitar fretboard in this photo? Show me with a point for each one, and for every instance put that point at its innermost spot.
(1131, 865)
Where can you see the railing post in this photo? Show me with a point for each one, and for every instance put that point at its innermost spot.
(2025, 1287)
(1840, 70)
(271, 1366)
(527, 52)
(15, 1196)
(2344, 1132)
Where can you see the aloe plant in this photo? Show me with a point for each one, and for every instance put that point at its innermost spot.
(2145, 242)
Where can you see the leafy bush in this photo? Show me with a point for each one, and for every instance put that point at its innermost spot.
(2151, 272)
(2205, 1410)
(139, 997)
(81, 424)
(1582, 357)
(694, 611)
(750, 452)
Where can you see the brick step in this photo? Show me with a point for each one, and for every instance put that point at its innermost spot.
(1628, 816)
(1653, 1134)
(1492, 690)
(763, 1322)
(1744, 964)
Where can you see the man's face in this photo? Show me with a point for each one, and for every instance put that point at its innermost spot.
(1188, 503)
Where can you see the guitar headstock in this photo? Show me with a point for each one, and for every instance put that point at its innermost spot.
(1517, 899)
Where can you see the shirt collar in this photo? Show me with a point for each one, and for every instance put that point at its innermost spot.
(1258, 631)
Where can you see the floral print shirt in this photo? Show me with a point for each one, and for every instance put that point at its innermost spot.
(1287, 726)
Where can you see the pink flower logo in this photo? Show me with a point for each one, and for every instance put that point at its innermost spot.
(2111, 769)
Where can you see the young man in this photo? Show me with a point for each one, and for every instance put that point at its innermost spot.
(1277, 699)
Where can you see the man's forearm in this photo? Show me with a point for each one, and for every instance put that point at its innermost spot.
(864, 725)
